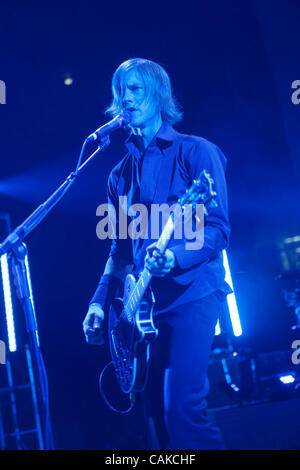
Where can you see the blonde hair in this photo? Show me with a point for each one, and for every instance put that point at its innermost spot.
(157, 85)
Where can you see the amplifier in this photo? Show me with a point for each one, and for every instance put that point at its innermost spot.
(243, 377)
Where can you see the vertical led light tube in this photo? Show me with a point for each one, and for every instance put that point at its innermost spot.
(31, 297)
(8, 304)
(231, 300)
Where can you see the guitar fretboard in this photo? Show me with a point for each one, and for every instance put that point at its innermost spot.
(145, 276)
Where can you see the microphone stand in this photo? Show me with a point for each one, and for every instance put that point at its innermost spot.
(13, 245)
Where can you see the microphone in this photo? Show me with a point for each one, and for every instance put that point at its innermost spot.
(120, 120)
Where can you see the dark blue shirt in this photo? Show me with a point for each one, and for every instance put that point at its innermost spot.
(145, 176)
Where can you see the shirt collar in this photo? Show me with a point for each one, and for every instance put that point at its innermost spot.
(163, 138)
(166, 133)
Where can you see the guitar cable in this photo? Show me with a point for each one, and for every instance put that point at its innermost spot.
(131, 395)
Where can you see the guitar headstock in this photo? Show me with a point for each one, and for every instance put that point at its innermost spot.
(200, 192)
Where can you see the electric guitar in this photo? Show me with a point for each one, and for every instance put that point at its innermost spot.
(130, 323)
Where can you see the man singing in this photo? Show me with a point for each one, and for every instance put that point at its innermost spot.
(189, 286)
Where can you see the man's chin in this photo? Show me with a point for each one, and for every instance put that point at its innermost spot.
(135, 123)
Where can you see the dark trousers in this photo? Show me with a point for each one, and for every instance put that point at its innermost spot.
(178, 382)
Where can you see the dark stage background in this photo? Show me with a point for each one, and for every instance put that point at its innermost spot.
(232, 65)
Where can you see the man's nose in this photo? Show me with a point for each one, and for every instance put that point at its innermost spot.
(127, 98)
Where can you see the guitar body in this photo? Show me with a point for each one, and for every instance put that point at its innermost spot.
(130, 336)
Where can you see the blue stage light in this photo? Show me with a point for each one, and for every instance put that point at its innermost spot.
(235, 388)
(287, 379)
(218, 329)
(68, 81)
(8, 304)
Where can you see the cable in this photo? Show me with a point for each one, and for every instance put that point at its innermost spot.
(131, 395)
(49, 439)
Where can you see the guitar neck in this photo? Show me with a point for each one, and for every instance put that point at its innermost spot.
(145, 276)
